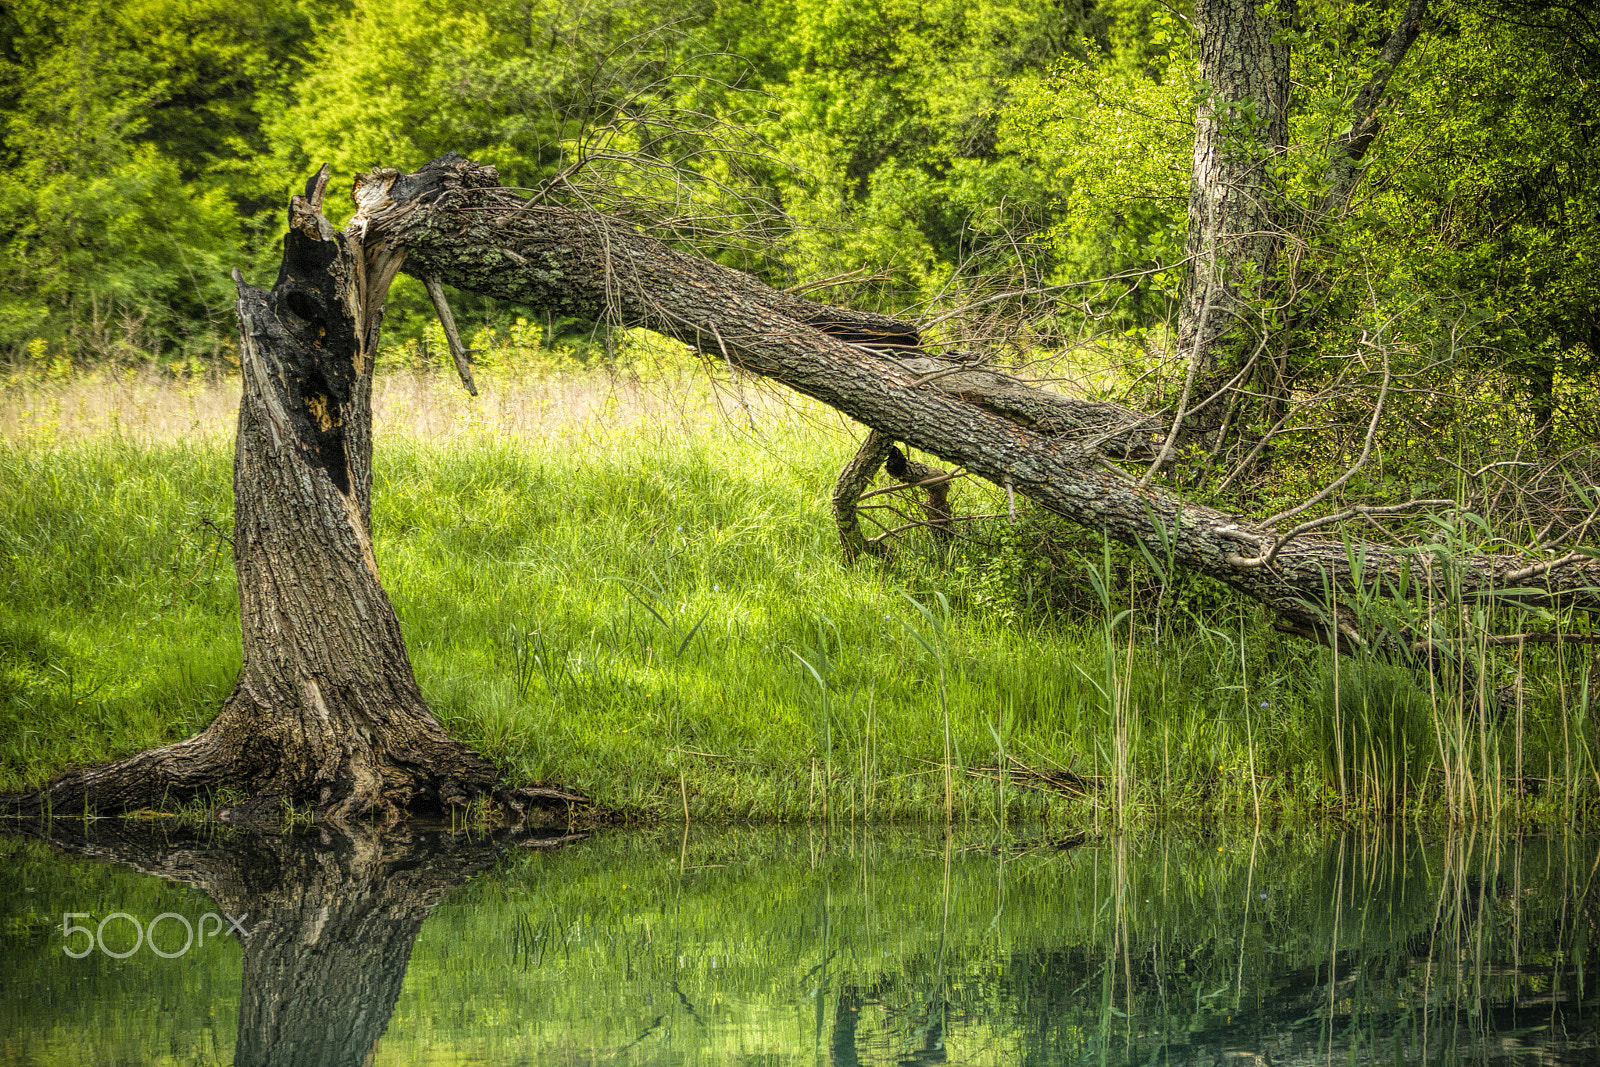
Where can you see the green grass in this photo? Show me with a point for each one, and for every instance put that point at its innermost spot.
(639, 596)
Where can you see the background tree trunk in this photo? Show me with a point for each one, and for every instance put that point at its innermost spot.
(1235, 215)
(1344, 164)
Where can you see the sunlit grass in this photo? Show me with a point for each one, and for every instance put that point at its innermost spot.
(634, 590)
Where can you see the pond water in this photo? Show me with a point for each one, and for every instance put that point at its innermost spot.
(741, 946)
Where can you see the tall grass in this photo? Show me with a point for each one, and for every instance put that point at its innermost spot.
(633, 588)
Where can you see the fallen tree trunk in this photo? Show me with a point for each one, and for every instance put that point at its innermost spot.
(457, 224)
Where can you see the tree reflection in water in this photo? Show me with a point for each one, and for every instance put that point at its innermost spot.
(330, 917)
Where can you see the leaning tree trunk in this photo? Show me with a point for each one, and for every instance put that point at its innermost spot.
(1346, 153)
(459, 225)
(326, 714)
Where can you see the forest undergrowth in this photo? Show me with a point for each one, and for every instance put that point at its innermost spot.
(627, 581)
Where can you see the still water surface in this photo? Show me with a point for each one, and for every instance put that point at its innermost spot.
(740, 946)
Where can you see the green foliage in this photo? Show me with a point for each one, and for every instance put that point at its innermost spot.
(923, 145)
(1487, 194)
(889, 113)
(1111, 135)
(625, 107)
(126, 133)
(508, 83)
(1468, 251)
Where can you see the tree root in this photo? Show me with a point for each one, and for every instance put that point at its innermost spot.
(368, 785)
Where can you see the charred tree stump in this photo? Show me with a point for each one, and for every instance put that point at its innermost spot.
(326, 714)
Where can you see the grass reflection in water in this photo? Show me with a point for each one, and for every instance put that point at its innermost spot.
(895, 947)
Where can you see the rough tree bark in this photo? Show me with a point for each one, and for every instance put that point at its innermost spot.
(853, 481)
(326, 714)
(1235, 219)
(457, 223)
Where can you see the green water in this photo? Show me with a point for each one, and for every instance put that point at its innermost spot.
(740, 946)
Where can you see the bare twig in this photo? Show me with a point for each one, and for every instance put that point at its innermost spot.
(1266, 559)
(458, 351)
(1197, 353)
(1361, 461)
(938, 479)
